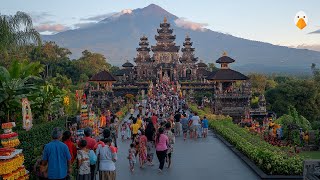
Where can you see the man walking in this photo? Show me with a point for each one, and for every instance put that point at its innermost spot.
(57, 156)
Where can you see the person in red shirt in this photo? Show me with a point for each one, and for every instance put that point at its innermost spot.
(90, 141)
(154, 119)
(66, 139)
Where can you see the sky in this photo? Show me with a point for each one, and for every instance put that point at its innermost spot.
(261, 20)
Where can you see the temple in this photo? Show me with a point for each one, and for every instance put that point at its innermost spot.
(232, 90)
(165, 63)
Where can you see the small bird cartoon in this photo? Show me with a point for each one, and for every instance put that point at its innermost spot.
(301, 20)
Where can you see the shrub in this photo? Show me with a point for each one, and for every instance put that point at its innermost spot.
(270, 159)
(33, 141)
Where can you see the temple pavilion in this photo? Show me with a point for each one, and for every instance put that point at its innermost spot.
(104, 80)
(232, 91)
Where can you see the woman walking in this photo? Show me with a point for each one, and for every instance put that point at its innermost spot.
(150, 133)
(142, 149)
(162, 142)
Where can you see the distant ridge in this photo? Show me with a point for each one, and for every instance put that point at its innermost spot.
(117, 37)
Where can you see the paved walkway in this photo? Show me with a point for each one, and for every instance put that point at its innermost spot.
(201, 159)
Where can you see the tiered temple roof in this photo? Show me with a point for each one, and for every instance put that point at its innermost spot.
(128, 65)
(188, 51)
(165, 39)
(103, 76)
(201, 64)
(224, 73)
(143, 51)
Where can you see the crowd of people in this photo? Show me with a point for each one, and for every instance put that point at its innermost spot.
(150, 132)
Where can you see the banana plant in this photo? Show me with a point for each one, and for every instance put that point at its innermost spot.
(16, 83)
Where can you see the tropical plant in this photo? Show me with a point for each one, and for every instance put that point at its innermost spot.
(15, 83)
(16, 31)
(291, 122)
(47, 100)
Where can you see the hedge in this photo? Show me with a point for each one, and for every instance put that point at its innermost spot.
(270, 159)
(33, 141)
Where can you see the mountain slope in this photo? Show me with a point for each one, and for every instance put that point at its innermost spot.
(117, 37)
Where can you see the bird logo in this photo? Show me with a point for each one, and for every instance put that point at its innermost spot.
(301, 20)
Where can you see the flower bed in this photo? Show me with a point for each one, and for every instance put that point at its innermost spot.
(272, 160)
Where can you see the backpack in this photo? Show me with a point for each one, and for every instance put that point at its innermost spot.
(92, 157)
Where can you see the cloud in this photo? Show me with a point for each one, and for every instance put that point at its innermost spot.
(54, 28)
(99, 17)
(315, 32)
(184, 23)
(84, 24)
(314, 47)
(41, 17)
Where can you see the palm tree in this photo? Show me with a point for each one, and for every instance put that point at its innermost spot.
(16, 31)
(16, 83)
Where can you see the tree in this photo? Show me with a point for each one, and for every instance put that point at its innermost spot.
(114, 69)
(47, 100)
(61, 81)
(16, 31)
(292, 122)
(258, 82)
(55, 58)
(301, 94)
(16, 83)
(212, 67)
(91, 63)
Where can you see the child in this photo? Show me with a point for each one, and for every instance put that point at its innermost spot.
(136, 142)
(132, 157)
(128, 124)
(83, 161)
(205, 126)
(142, 149)
(123, 131)
(40, 170)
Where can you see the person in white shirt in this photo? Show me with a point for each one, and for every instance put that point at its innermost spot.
(131, 111)
(195, 123)
(107, 155)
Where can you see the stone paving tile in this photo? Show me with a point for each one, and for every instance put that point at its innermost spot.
(201, 159)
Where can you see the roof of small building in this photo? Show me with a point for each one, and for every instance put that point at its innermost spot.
(226, 74)
(122, 72)
(203, 72)
(102, 76)
(202, 64)
(128, 64)
(225, 59)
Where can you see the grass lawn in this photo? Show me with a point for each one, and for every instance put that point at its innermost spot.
(310, 154)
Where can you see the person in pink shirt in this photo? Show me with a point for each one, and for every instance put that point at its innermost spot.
(162, 142)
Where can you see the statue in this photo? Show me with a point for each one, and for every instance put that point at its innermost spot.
(166, 77)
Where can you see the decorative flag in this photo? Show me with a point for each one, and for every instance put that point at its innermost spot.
(26, 114)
